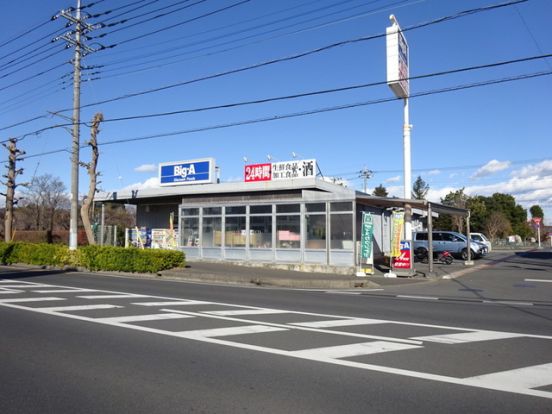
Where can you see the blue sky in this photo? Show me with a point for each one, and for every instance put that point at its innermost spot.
(487, 139)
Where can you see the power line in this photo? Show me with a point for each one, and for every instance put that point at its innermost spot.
(223, 36)
(146, 14)
(314, 111)
(295, 56)
(305, 94)
(180, 23)
(284, 59)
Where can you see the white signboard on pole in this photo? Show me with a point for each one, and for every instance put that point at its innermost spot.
(397, 60)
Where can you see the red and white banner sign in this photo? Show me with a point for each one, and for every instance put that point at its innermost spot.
(285, 170)
(258, 172)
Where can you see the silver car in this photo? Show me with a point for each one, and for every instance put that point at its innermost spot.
(451, 241)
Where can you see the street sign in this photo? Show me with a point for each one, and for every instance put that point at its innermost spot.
(537, 220)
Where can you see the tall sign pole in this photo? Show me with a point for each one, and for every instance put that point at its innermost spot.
(397, 80)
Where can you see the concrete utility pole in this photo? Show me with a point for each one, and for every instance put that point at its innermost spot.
(365, 174)
(80, 51)
(10, 187)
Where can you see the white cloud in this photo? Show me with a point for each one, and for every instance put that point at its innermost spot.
(146, 168)
(393, 179)
(491, 167)
(434, 172)
(152, 182)
(541, 169)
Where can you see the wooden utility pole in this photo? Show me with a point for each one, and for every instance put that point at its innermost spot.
(13, 172)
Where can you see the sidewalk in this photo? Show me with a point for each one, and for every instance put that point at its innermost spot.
(221, 272)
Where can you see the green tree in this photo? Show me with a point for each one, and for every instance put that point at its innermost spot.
(456, 199)
(536, 211)
(420, 189)
(478, 213)
(380, 191)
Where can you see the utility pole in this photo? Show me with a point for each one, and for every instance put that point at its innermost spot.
(10, 186)
(365, 174)
(80, 50)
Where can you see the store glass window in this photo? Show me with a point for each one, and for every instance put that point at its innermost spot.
(212, 232)
(212, 211)
(260, 232)
(288, 208)
(267, 209)
(190, 231)
(190, 211)
(235, 235)
(316, 231)
(288, 232)
(342, 206)
(315, 207)
(235, 210)
(342, 231)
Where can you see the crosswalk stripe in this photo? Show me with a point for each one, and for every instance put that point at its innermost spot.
(76, 308)
(130, 295)
(236, 330)
(465, 337)
(242, 312)
(347, 351)
(23, 300)
(339, 322)
(22, 285)
(523, 378)
(64, 290)
(172, 303)
(142, 318)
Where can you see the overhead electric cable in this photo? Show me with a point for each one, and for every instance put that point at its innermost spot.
(128, 19)
(302, 95)
(5, 75)
(132, 39)
(288, 58)
(320, 110)
(296, 56)
(227, 35)
(26, 32)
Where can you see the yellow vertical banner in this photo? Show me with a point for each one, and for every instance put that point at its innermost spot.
(398, 229)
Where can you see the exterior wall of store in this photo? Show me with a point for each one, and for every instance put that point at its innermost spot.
(299, 232)
(156, 215)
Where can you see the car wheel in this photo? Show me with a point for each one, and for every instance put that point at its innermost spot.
(464, 254)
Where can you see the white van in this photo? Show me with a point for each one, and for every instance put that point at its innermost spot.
(481, 238)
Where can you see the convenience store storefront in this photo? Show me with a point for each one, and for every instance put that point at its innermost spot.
(300, 220)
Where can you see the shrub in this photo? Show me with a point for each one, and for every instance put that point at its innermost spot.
(92, 257)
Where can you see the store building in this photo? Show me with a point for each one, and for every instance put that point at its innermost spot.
(282, 213)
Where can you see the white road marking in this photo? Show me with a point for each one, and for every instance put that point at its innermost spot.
(56, 309)
(235, 330)
(7, 291)
(417, 297)
(522, 378)
(22, 300)
(245, 312)
(509, 302)
(172, 303)
(370, 367)
(142, 318)
(347, 351)
(539, 280)
(118, 296)
(21, 285)
(64, 290)
(462, 338)
(339, 322)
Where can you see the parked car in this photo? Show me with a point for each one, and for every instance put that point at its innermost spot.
(481, 238)
(451, 241)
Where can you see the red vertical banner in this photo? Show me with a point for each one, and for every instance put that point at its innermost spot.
(403, 260)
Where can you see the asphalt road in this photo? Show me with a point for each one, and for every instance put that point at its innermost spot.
(96, 344)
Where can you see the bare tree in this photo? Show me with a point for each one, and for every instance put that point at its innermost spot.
(497, 225)
(45, 199)
(93, 176)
